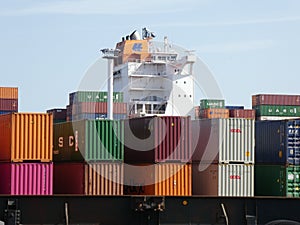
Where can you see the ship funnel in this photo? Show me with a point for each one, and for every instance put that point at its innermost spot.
(135, 36)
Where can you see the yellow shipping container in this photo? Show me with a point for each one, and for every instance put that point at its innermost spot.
(26, 137)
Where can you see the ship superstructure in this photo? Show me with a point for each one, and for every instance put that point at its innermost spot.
(155, 79)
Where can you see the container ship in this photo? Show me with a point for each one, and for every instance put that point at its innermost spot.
(146, 151)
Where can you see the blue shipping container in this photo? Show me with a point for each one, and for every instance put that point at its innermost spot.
(6, 112)
(234, 107)
(277, 142)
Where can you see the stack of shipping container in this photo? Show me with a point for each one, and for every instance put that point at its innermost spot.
(26, 154)
(223, 157)
(8, 100)
(276, 107)
(277, 170)
(157, 156)
(213, 108)
(93, 105)
(88, 157)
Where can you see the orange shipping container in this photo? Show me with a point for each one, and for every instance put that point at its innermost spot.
(9, 92)
(214, 113)
(164, 179)
(26, 137)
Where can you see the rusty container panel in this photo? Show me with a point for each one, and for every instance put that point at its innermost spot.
(157, 139)
(26, 178)
(164, 179)
(26, 136)
(97, 178)
(234, 180)
(223, 140)
(242, 113)
(214, 113)
(7, 104)
(275, 99)
(9, 92)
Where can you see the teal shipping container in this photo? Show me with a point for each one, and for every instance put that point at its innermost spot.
(212, 103)
(88, 140)
(276, 180)
(277, 110)
(93, 96)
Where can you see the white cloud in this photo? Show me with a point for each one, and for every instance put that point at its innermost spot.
(235, 47)
(120, 7)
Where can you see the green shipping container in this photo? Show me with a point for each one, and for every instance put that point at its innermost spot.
(277, 110)
(212, 103)
(276, 180)
(89, 140)
(93, 96)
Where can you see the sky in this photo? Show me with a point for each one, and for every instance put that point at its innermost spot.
(48, 46)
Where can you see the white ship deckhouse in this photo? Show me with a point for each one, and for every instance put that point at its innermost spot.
(155, 80)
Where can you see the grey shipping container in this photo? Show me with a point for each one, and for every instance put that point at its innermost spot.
(277, 142)
(235, 180)
(223, 140)
(89, 140)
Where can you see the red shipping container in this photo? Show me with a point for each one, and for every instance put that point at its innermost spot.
(157, 139)
(26, 178)
(275, 99)
(98, 107)
(89, 179)
(8, 104)
(242, 113)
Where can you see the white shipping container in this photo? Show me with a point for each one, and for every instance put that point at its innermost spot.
(233, 180)
(228, 140)
(236, 180)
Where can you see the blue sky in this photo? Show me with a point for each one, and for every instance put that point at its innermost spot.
(47, 46)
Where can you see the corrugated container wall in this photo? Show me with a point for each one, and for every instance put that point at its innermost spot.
(262, 118)
(163, 179)
(235, 180)
(277, 180)
(8, 104)
(277, 142)
(97, 178)
(214, 113)
(223, 140)
(26, 178)
(26, 136)
(98, 107)
(9, 92)
(277, 110)
(242, 113)
(230, 107)
(273, 99)
(212, 103)
(157, 139)
(89, 140)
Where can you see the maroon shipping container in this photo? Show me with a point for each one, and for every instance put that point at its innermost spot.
(157, 139)
(98, 107)
(275, 99)
(89, 179)
(26, 178)
(8, 104)
(242, 113)
(58, 114)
